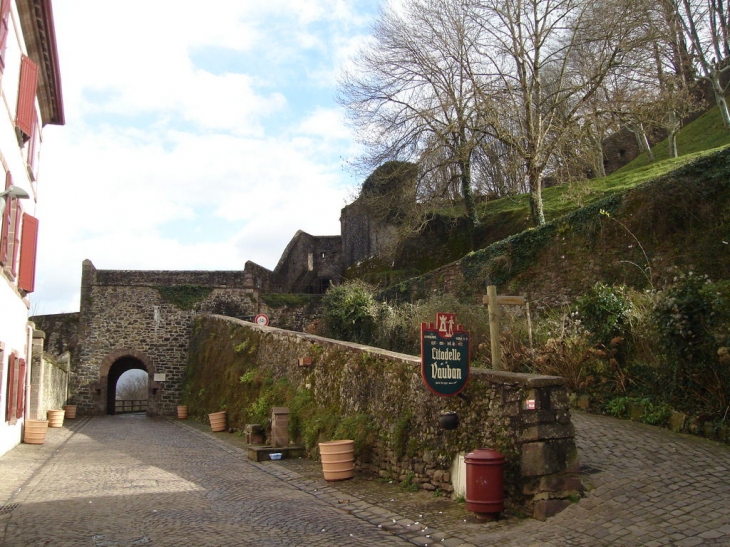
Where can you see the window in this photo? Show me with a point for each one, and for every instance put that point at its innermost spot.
(4, 30)
(33, 149)
(15, 402)
(28, 246)
(6, 223)
(26, 98)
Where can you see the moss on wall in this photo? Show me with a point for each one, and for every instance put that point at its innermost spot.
(376, 398)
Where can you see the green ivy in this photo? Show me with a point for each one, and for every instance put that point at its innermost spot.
(184, 297)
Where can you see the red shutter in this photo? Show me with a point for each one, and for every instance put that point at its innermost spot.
(10, 403)
(13, 259)
(5, 220)
(4, 30)
(28, 248)
(26, 95)
(20, 408)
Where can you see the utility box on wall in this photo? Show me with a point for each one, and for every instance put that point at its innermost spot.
(280, 426)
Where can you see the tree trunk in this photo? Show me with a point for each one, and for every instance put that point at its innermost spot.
(643, 142)
(469, 203)
(672, 142)
(720, 100)
(537, 213)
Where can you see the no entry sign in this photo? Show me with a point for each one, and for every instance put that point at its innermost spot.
(444, 355)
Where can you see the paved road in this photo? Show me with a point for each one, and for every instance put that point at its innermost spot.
(128, 481)
(123, 481)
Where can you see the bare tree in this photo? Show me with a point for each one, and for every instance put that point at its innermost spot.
(411, 97)
(546, 59)
(133, 385)
(706, 29)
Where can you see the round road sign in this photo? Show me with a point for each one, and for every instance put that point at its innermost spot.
(261, 319)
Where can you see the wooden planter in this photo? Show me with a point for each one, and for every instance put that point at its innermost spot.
(338, 459)
(35, 431)
(55, 417)
(182, 412)
(217, 421)
(70, 411)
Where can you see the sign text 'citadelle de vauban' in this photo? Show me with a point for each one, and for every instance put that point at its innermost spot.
(444, 355)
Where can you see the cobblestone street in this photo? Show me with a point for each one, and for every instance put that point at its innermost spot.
(123, 481)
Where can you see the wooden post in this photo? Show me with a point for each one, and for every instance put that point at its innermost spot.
(493, 302)
(494, 330)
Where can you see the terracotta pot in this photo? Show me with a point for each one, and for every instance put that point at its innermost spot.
(55, 417)
(182, 412)
(70, 411)
(217, 421)
(338, 459)
(35, 431)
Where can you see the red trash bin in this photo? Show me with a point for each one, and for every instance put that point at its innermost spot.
(484, 482)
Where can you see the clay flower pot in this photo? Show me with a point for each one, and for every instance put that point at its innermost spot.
(217, 421)
(35, 431)
(338, 459)
(182, 412)
(55, 417)
(70, 411)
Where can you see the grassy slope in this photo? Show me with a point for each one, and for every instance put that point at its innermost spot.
(675, 207)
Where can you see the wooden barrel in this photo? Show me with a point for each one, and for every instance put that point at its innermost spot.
(70, 411)
(55, 417)
(35, 431)
(338, 459)
(217, 421)
(182, 412)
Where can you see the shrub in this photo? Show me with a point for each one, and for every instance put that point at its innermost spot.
(606, 312)
(690, 322)
(350, 312)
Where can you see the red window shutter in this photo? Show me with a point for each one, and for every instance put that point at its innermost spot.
(10, 403)
(26, 95)
(28, 252)
(4, 30)
(5, 227)
(16, 238)
(20, 408)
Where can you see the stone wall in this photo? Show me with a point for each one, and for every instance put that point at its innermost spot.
(49, 377)
(526, 417)
(309, 264)
(125, 319)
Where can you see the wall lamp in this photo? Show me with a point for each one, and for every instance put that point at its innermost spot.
(13, 192)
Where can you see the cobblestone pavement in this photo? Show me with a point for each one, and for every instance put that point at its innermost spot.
(128, 480)
(132, 481)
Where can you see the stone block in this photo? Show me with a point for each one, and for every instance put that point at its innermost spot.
(545, 509)
(547, 458)
(542, 432)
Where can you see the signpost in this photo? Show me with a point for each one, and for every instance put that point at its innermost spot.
(444, 355)
(493, 302)
(261, 319)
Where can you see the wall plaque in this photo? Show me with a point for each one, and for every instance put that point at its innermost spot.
(444, 355)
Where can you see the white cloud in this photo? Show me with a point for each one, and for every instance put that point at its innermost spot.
(194, 140)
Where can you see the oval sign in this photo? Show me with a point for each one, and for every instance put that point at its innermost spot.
(261, 319)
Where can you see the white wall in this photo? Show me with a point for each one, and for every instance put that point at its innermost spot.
(14, 309)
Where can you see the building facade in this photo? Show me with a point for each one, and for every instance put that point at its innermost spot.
(31, 90)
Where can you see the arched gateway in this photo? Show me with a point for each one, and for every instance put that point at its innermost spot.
(117, 363)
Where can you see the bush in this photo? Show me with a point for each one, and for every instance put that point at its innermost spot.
(350, 312)
(606, 312)
(691, 324)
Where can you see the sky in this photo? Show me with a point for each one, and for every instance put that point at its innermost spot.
(194, 139)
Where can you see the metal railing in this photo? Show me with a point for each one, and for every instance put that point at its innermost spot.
(122, 406)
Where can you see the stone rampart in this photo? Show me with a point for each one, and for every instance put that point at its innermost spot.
(526, 417)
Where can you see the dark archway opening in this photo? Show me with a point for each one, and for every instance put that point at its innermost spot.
(119, 367)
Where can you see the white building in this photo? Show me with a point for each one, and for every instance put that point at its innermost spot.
(30, 86)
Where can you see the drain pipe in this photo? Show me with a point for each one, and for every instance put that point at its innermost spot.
(30, 326)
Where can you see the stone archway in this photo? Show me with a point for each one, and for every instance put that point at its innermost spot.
(112, 367)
